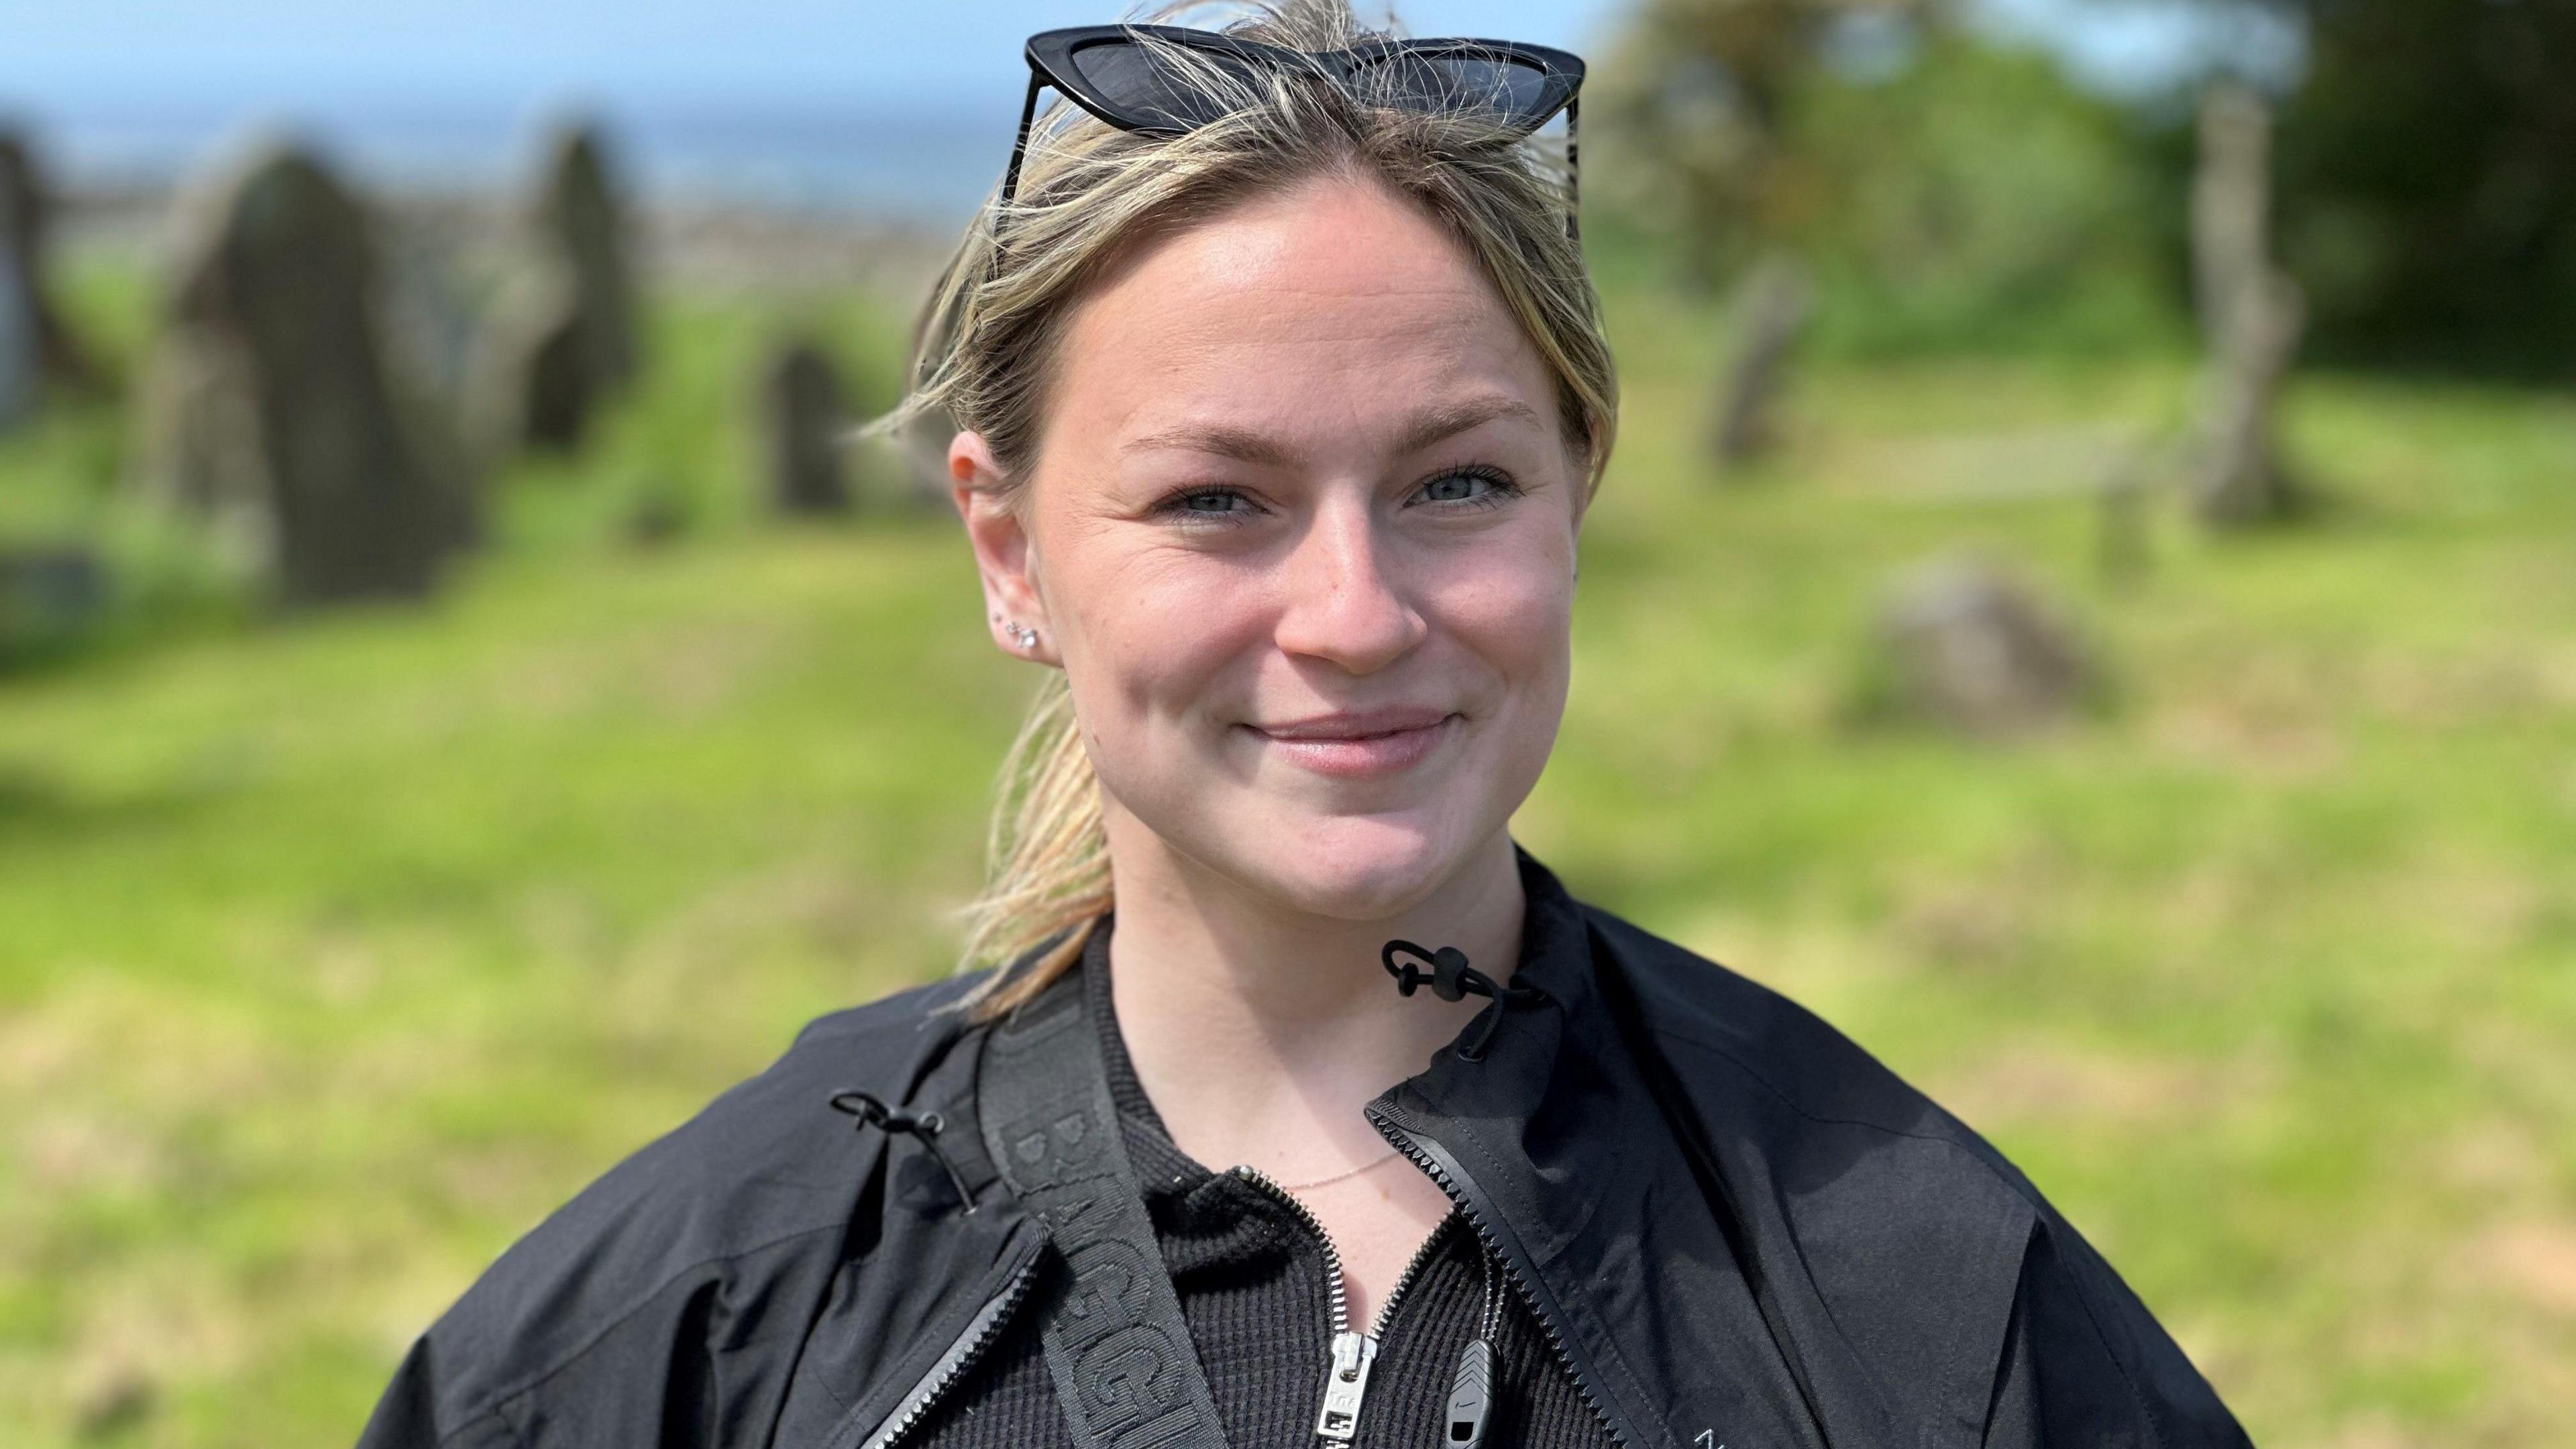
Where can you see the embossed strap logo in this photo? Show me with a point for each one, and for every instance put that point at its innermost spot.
(1116, 1344)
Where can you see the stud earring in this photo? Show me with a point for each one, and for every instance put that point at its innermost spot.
(1022, 634)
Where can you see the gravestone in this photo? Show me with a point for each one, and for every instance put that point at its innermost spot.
(805, 422)
(1964, 645)
(1770, 313)
(566, 340)
(36, 345)
(2252, 315)
(271, 404)
(22, 372)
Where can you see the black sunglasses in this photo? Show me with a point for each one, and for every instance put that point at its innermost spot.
(1106, 70)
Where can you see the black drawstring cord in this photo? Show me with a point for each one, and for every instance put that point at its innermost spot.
(1451, 978)
(925, 1126)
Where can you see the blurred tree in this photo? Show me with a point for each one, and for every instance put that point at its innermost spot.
(2427, 167)
(1707, 92)
(1973, 196)
(1941, 189)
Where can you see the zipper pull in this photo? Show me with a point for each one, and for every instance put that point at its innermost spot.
(1471, 1396)
(1352, 1355)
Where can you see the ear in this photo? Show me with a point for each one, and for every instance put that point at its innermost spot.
(1004, 556)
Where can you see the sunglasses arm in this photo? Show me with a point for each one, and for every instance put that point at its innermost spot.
(1573, 172)
(1020, 145)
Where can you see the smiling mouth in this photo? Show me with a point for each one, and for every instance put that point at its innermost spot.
(1358, 755)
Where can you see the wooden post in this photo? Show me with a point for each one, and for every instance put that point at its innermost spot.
(1770, 313)
(2252, 315)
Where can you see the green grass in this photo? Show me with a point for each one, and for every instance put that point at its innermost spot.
(334, 950)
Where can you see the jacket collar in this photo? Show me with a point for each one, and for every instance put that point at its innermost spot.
(1512, 1081)
(1555, 956)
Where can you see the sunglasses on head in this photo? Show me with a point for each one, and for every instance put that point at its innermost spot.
(1109, 71)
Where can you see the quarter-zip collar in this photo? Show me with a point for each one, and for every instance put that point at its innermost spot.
(1207, 1218)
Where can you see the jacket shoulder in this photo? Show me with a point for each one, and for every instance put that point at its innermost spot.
(738, 1212)
(1776, 1055)
(1935, 1256)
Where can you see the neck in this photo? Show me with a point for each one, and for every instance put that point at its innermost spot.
(1258, 1029)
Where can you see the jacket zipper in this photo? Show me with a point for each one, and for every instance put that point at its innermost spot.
(979, 1334)
(1463, 1192)
(1346, 1380)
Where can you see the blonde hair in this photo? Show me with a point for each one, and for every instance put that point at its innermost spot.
(1087, 191)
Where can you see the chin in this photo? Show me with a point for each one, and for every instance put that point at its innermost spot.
(1356, 867)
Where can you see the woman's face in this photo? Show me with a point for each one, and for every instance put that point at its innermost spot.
(1301, 533)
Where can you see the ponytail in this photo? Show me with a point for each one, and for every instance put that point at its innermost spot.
(1047, 860)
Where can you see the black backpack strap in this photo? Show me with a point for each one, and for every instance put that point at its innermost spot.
(1116, 1343)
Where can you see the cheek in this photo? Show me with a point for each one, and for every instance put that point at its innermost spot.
(1151, 634)
(1514, 610)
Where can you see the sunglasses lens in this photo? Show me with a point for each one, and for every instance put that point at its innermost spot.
(1150, 90)
(1515, 91)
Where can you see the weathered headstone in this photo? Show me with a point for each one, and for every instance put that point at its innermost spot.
(587, 219)
(271, 403)
(566, 340)
(36, 347)
(22, 372)
(2252, 315)
(805, 420)
(1963, 644)
(1770, 313)
(431, 319)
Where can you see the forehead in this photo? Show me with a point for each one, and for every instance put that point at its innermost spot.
(1336, 306)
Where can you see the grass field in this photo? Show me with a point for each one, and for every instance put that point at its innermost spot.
(334, 951)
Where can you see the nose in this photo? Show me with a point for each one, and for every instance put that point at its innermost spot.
(1340, 601)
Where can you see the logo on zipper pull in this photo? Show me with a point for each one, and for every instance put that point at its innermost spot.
(1352, 1355)
(1471, 1395)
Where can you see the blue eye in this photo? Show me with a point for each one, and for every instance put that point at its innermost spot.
(1459, 486)
(1193, 507)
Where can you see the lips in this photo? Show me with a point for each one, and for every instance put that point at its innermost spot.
(1355, 724)
(1358, 744)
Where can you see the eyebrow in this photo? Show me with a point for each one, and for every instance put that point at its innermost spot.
(1429, 426)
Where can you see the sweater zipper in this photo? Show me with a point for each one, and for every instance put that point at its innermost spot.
(1346, 1379)
(1464, 1192)
(979, 1334)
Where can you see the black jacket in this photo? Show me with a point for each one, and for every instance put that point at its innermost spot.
(1741, 1229)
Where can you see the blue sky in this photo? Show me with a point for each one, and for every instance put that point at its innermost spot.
(806, 50)
(879, 93)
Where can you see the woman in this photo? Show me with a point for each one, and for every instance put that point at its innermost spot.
(1280, 396)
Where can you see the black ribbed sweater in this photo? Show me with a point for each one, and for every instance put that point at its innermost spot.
(1253, 1284)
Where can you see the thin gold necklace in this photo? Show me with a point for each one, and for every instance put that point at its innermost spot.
(1340, 1176)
